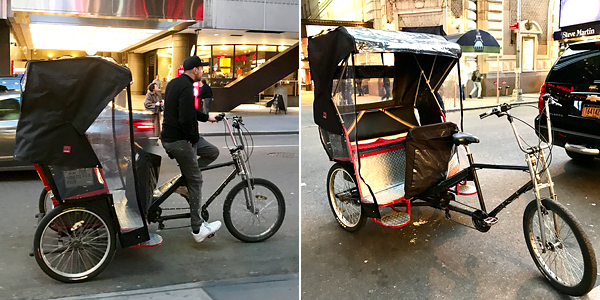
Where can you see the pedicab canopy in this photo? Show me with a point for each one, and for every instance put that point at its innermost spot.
(60, 100)
(422, 62)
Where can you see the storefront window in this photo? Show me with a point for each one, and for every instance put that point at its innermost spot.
(265, 53)
(222, 65)
(204, 52)
(164, 58)
(244, 60)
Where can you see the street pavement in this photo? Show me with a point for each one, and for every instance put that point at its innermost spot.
(432, 257)
(268, 287)
(219, 268)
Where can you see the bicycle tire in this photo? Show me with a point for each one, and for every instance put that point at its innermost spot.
(260, 186)
(343, 175)
(559, 246)
(76, 228)
(45, 201)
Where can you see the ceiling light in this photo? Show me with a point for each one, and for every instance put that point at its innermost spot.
(67, 37)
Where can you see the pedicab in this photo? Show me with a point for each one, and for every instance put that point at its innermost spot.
(82, 147)
(100, 184)
(382, 124)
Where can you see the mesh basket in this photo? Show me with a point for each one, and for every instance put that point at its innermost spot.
(335, 145)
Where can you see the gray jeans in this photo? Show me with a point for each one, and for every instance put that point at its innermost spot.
(185, 153)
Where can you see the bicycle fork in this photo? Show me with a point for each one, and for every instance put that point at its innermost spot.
(538, 185)
(245, 174)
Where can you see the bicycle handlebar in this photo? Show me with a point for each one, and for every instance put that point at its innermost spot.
(220, 117)
(503, 109)
(498, 110)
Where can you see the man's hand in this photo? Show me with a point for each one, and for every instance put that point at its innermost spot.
(212, 119)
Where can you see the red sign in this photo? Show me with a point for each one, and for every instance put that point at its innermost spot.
(514, 25)
(503, 81)
(180, 70)
(495, 83)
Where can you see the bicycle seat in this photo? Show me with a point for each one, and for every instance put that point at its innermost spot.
(462, 138)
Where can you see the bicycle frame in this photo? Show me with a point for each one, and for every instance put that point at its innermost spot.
(237, 160)
(532, 154)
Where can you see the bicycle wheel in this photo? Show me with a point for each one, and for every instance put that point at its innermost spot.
(74, 242)
(567, 260)
(45, 201)
(344, 198)
(257, 226)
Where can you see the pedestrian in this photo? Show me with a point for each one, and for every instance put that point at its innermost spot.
(154, 104)
(181, 140)
(386, 88)
(205, 95)
(476, 78)
(359, 83)
(157, 81)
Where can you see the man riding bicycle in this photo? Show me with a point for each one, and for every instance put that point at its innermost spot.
(181, 140)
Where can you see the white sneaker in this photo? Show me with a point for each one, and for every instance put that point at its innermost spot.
(206, 230)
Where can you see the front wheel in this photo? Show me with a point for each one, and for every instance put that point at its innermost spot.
(257, 219)
(74, 243)
(567, 259)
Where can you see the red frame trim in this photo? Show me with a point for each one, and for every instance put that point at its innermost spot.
(395, 209)
(378, 143)
(42, 177)
(139, 246)
(381, 151)
(396, 201)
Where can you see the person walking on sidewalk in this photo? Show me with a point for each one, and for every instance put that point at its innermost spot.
(157, 81)
(181, 140)
(476, 78)
(154, 104)
(206, 95)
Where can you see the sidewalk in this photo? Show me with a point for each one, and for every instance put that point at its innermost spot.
(257, 119)
(474, 103)
(268, 287)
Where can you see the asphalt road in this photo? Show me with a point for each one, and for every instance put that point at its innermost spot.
(179, 259)
(432, 257)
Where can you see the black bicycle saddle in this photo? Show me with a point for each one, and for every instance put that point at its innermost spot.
(462, 138)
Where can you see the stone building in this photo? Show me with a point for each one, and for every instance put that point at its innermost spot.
(539, 22)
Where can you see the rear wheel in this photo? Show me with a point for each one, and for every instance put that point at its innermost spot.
(74, 243)
(45, 201)
(254, 224)
(580, 158)
(344, 198)
(567, 260)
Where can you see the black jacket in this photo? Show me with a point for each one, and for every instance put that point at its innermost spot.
(180, 116)
(205, 92)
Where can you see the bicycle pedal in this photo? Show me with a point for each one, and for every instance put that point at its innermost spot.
(489, 221)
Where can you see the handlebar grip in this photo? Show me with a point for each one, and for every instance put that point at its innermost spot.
(488, 113)
(220, 117)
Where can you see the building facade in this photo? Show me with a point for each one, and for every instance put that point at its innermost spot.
(153, 37)
(539, 20)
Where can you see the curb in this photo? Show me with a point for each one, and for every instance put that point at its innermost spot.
(494, 105)
(281, 132)
(191, 289)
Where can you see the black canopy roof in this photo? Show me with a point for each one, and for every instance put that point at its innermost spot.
(326, 51)
(60, 100)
